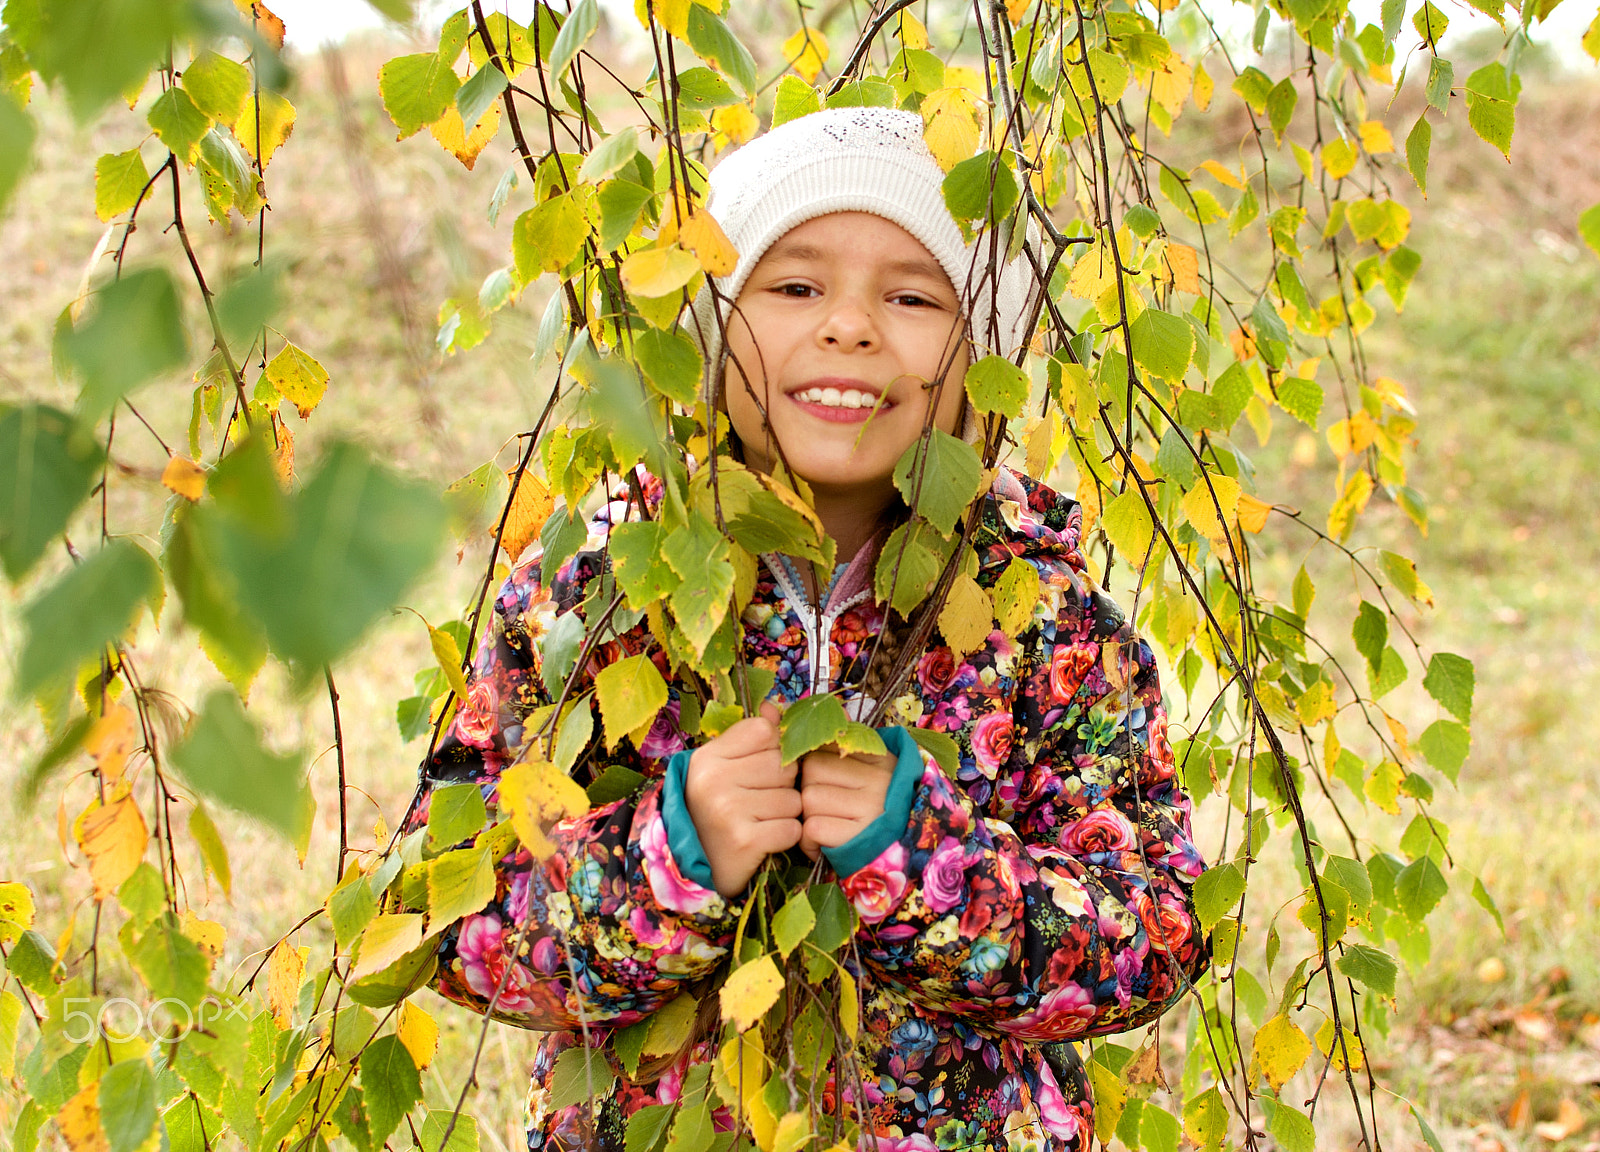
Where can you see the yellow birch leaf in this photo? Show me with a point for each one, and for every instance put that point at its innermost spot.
(1383, 786)
(735, 125)
(1222, 174)
(1089, 500)
(454, 139)
(1171, 80)
(269, 118)
(210, 935)
(299, 378)
(1203, 87)
(1345, 1051)
(387, 938)
(657, 271)
(849, 1006)
(1342, 516)
(1402, 738)
(1093, 274)
(1281, 1049)
(913, 33)
(1252, 512)
(750, 991)
(537, 793)
(1200, 507)
(282, 454)
(419, 1034)
(1184, 264)
(702, 235)
(112, 740)
(185, 477)
(967, 616)
(950, 119)
(673, 15)
(530, 508)
(79, 1121)
(960, 76)
(1317, 704)
(1015, 596)
(285, 970)
(113, 835)
(630, 692)
(744, 1067)
(1338, 158)
(793, 1132)
(269, 26)
(447, 654)
(806, 51)
(16, 911)
(1375, 138)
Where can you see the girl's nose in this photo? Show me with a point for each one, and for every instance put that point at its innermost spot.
(848, 326)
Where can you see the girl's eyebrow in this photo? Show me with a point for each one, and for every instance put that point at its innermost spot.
(918, 266)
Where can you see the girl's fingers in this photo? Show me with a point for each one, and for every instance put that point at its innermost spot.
(846, 771)
(847, 803)
(773, 803)
(826, 832)
(770, 836)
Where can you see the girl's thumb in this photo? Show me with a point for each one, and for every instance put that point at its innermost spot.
(769, 712)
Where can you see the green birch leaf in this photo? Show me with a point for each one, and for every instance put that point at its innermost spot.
(218, 86)
(610, 155)
(574, 34)
(647, 1126)
(390, 1086)
(416, 90)
(1370, 966)
(1486, 902)
(1428, 1136)
(350, 909)
(463, 1134)
(1216, 892)
(810, 723)
(127, 1099)
(1301, 399)
(1127, 523)
(670, 362)
(1441, 78)
(1371, 633)
(1430, 23)
(222, 758)
(1450, 681)
(620, 201)
(909, 564)
(456, 812)
(793, 923)
(17, 132)
(1492, 105)
(714, 42)
(1163, 344)
(794, 99)
(47, 466)
(547, 237)
(459, 884)
(580, 1075)
(179, 124)
(172, 964)
(134, 333)
(1588, 222)
(1293, 1129)
(480, 91)
(90, 607)
(995, 384)
(950, 477)
(1419, 888)
(119, 178)
(1446, 745)
(1281, 102)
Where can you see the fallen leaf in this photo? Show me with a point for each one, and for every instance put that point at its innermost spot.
(1521, 1110)
(1569, 1121)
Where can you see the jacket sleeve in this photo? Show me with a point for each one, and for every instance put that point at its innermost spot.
(609, 928)
(1047, 893)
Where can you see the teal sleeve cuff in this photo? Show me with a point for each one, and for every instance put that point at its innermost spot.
(868, 844)
(682, 837)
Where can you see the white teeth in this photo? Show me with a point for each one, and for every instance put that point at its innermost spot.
(837, 398)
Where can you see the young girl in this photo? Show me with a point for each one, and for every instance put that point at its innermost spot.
(1041, 897)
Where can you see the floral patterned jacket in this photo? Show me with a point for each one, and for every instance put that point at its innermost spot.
(1040, 897)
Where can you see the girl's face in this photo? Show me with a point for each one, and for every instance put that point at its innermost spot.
(840, 336)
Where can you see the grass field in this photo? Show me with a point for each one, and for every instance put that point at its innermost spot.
(1498, 346)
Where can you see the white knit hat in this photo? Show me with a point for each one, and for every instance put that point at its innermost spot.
(859, 160)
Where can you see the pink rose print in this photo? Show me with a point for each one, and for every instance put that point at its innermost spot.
(479, 714)
(1068, 669)
(1103, 830)
(876, 890)
(664, 737)
(944, 876)
(936, 670)
(991, 742)
(673, 890)
(1063, 1013)
(1167, 923)
(481, 949)
(1062, 1120)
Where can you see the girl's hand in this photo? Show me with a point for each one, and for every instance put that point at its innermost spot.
(839, 796)
(742, 799)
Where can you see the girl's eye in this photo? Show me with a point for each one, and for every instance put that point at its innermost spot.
(914, 300)
(800, 291)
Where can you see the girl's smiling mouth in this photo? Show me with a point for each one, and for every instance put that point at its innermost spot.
(839, 400)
